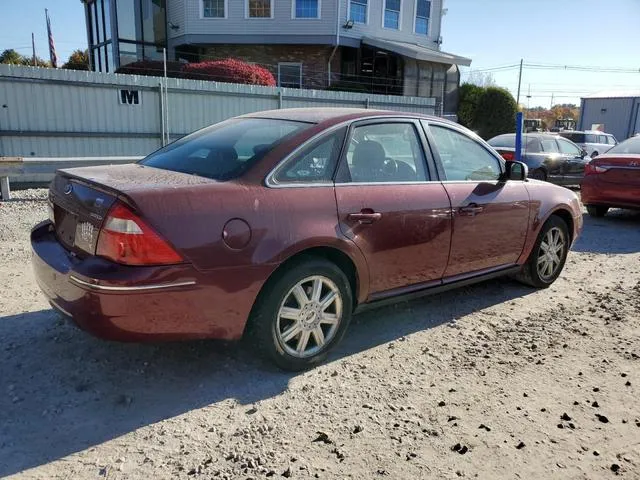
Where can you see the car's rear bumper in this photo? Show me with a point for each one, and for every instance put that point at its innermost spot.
(596, 192)
(127, 303)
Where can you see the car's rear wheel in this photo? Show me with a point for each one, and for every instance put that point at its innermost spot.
(594, 154)
(302, 314)
(538, 174)
(548, 256)
(597, 210)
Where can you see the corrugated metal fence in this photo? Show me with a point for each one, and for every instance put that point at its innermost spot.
(65, 113)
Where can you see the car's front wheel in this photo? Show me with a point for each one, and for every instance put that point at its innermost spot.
(597, 210)
(548, 256)
(302, 314)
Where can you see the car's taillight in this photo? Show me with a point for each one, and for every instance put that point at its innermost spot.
(591, 169)
(508, 156)
(125, 238)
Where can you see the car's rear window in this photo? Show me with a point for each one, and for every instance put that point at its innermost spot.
(628, 147)
(226, 150)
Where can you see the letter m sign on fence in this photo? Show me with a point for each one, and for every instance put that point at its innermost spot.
(129, 97)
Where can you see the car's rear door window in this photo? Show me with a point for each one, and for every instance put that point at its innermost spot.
(225, 150)
(462, 157)
(315, 163)
(568, 148)
(385, 152)
(549, 145)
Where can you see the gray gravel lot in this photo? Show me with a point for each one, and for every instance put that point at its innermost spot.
(491, 381)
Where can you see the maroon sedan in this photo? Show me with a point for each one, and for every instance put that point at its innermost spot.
(279, 225)
(613, 179)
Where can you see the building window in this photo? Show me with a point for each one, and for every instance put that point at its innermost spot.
(259, 9)
(307, 8)
(423, 12)
(358, 11)
(290, 75)
(214, 8)
(392, 14)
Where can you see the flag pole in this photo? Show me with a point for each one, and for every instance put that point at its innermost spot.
(52, 47)
(33, 47)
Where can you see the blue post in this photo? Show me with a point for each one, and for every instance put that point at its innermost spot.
(519, 122)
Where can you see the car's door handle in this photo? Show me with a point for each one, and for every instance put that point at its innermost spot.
(365, 216)
(471, 210)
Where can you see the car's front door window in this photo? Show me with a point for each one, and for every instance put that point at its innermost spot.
(462, 157)
(385, 152)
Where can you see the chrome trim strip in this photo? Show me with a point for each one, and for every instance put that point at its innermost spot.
(419, 182)
(618, 167)
(158, 286)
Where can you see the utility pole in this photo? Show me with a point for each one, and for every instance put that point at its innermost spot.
(551, 106)
(33, 47)
(519, 82)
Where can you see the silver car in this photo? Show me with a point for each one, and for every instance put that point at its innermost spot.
(593, 141)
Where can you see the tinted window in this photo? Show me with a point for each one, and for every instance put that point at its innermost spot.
(464, 158)
(568, 147)
(549, 145)
(225, 150)
(385, 152)
(574, 136)
(529, 144)
(630, 146)
(315, 163)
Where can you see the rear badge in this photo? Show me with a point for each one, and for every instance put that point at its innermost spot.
(86, 232)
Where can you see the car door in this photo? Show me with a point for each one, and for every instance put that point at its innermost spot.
(389, 206)
(573, 161)
(553, 160)
(490, 216)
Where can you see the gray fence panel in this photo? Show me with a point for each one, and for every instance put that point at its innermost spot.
(66, 113)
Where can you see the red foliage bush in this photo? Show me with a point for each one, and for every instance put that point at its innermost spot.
(152, 68)
(231, 71)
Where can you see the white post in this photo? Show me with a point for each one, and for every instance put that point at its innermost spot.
(4, 188)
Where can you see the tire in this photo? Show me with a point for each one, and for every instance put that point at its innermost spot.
(535, 272)
(538, 174)
(268, 327)
(597, 210)
(594, 154)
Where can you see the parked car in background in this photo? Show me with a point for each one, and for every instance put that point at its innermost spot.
(613, 179)
(592, 141)
(278, 225)
(549, 157)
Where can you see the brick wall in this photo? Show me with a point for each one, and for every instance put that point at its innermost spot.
(314, 59)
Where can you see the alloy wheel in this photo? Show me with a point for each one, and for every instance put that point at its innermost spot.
(551, 253)
(309, 316)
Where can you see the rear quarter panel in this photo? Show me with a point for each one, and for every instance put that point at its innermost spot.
(282, 223)
(546, 200)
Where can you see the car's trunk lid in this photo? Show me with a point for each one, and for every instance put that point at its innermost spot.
(619, 169)
(81, 197)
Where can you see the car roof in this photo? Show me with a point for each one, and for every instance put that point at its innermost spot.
(529, 135)
(594, 132)
(335, 115)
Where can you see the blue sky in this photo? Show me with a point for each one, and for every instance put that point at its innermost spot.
(491, 32)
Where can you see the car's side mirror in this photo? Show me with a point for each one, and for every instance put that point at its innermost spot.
(515, 170)
(584, 153)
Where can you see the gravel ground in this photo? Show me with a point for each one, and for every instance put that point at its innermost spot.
(492, 381)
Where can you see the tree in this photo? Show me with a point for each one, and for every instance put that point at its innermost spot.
(496, 113)
(481, 79)
(11, 57)
(78, 60)
(469, 97)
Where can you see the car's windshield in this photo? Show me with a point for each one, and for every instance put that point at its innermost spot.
(225, 150)
(630, 146)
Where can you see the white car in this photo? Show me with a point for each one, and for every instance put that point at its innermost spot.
(593, 141)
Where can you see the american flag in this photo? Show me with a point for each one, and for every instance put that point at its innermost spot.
(52, 47)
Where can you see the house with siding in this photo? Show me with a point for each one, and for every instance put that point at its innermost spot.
(378, 46)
